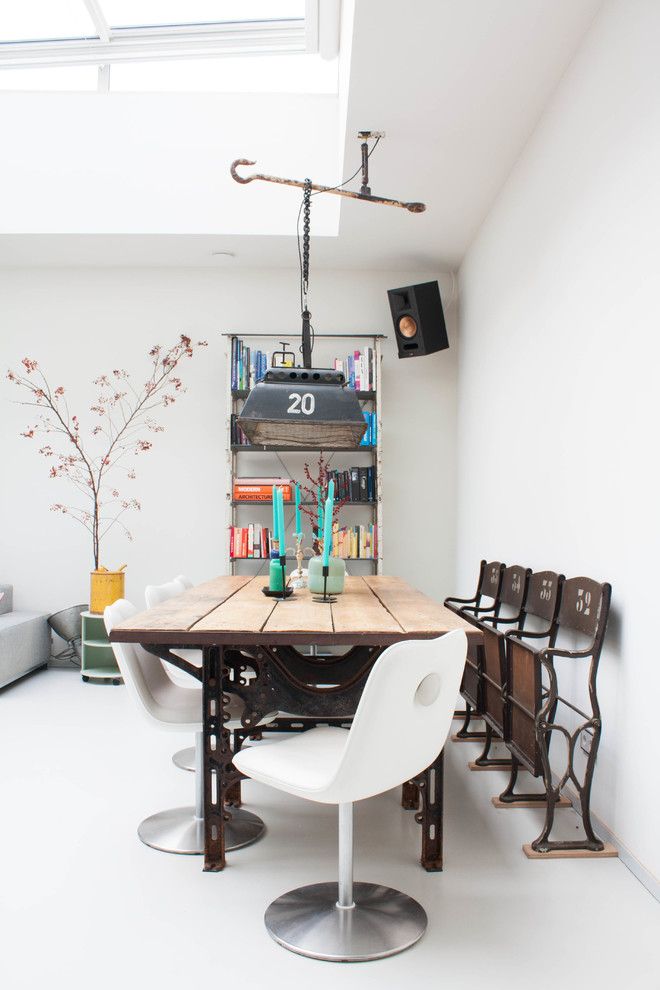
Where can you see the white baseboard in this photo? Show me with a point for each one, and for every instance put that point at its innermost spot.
(639, 871)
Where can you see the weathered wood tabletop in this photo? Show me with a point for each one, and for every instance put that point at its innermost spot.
(375, 610)
(238, 627)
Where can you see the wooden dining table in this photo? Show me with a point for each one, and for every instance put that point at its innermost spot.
(297, 656)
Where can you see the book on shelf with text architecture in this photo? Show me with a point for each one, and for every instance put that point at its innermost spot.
(261, 489)
(249, 365)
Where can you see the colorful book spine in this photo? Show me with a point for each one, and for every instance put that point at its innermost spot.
(247, 542)
(355, 542)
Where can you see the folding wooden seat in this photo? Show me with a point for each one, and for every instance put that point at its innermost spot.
(576, 613)
(485, 601)
(511, 611)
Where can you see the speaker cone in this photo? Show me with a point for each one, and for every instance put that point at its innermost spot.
(407, 327)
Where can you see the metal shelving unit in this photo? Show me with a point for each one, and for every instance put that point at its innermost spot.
(371, 400)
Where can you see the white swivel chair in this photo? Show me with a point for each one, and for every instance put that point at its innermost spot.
(400, 726)
(155, 594)
(169, 706)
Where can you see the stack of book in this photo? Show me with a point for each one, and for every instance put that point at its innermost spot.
(358, 484)
(249, 541)
(248, 366)
(261, 489)
(355, 542)
(359, 369)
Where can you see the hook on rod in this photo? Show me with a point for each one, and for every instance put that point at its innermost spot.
(239, 178)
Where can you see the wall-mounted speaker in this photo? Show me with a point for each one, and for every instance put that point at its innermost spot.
(419, 322)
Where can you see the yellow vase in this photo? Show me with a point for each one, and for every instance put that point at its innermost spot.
(105, 587)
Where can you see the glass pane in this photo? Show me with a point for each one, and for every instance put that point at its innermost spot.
(251, 74)
(140, 13)
(44, 20)
(76, 79)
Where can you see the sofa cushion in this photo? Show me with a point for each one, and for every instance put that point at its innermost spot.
(24, 644)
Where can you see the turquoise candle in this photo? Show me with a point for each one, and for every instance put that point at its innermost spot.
(274, 512)
(331, 491)
(320, 514)
(281, 533)
(327, 533)
(298, 523)
(275, 575)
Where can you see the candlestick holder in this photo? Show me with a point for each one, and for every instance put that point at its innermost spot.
(297, 577)
(276, 587)
(325, 597)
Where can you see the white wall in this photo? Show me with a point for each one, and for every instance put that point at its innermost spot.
(79, 323)
(559, 356)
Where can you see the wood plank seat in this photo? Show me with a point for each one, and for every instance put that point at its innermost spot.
(491, 672)
(485, 601)
(577, 611)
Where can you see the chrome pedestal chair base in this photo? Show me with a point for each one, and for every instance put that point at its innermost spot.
(381, 923)
(184, 759)
(179, 831)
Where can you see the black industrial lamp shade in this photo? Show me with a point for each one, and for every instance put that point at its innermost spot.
(303, 407)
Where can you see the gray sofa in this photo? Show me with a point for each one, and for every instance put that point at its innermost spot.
(24, 639)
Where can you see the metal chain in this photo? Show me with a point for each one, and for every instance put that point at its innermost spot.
(307, 206)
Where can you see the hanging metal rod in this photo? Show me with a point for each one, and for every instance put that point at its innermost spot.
(299, 184)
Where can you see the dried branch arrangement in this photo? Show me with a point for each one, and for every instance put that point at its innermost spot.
(309, 493)
(123, 430)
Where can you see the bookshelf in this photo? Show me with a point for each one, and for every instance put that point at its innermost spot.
(247, 460)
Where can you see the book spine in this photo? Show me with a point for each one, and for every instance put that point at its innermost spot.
(355, 484)
(362, 479)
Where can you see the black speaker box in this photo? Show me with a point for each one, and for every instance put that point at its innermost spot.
(419, 323)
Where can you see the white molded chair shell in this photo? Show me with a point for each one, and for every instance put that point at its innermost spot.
(156, 594)
(163, 702)
(400, 726)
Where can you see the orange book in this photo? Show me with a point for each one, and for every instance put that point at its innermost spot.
(259, 493)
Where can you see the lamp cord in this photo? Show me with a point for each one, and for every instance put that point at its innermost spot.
(303, 254)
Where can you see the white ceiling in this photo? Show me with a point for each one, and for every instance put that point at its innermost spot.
(458, 86)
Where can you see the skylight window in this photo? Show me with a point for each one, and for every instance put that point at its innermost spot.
(141, 13)
(45, 20)
(50, 34)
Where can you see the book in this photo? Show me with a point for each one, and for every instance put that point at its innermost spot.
(362, 484)
(355, 485)
(260, 493)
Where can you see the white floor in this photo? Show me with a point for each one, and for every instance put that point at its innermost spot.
(84, 904)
